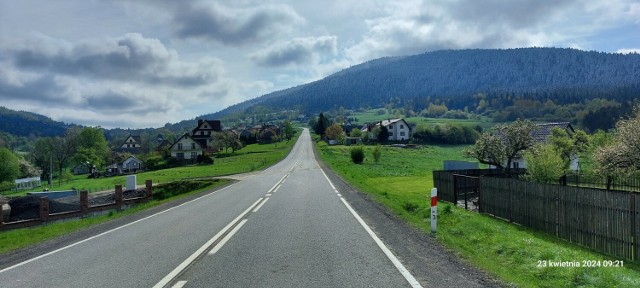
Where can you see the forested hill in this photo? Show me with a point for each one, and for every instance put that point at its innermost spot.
(20, 123)
(455, 76)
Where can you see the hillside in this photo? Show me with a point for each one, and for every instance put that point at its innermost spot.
(455, 76)
(27, 124)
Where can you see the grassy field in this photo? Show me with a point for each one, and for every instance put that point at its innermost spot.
(402, 181)
(371, 116)
(251, 158)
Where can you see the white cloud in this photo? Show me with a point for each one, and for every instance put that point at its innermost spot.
(297, 51)
(628, 50)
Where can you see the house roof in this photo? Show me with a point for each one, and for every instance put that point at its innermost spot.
(543, 131)
(132, 159)
(385, 123)
(186, 135)
(213, 125)
(136, 138)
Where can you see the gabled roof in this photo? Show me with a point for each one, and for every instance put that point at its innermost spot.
(186, 135)
(131, 157)
(136, 138)
(385, 123)
(213, 125)
(543, 131)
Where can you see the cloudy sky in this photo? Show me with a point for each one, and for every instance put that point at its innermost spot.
(135, 64)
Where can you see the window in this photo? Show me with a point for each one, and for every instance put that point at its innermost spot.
(390, 127)
(390, 134)
(180, 147)
(516, 165)
(193, 146)
(401, 133)
(194, 155)
(180, 156)
(401, 126)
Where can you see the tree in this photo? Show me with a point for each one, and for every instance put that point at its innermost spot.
(545, 164)
(92, 147)
(63, 148)
(289, 131)
(335, 132)
(623, 154)
(27, 169)
(321, 124)
(226, 140)
(357, 154)
(567, 146)
(383, 134)
(9, 165)
(377, 152)
(355, 132)
(41, 156)
(503, 145)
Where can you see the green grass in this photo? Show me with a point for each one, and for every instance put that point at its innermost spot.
(251, 158)
(20, 238)
(402, 181)
(370, 116)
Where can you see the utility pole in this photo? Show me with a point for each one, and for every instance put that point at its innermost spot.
(50, 170)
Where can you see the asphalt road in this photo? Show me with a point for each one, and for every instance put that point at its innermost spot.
(291, 225)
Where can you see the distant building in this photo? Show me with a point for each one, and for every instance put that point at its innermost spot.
(202, 133)
(187, 149)
(399, 129)
(132, 144)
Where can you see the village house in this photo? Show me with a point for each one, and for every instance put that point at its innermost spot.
(202, 133)
(129, 165)
(399, 129)
(187, 149)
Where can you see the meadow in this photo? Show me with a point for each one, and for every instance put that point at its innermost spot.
(516, 255)
(370, 116)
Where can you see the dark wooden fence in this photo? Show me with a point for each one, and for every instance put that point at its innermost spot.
(603, 220)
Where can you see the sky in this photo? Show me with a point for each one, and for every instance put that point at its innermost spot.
(145, 63)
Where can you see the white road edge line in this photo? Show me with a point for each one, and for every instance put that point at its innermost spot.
(107, 232)
(403, 270)
(226, 238)
(179, 284)
(260, 206)
(202, 249)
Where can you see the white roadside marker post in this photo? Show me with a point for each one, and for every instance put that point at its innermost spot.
(434, 210)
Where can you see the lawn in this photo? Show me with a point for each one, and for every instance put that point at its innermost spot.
(370, 116)
(402, 181)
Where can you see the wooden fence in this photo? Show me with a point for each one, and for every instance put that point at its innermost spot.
(604, 220)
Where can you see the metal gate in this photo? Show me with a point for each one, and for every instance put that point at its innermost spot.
(466, 191)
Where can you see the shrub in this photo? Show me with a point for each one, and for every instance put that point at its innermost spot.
(377, 152)
(357, 154)
(171, 189)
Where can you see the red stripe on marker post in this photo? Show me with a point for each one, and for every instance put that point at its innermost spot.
(434, 210)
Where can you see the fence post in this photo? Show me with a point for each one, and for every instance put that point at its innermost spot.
(44, 209)
(1, 216)
(149, 188)
(118, 195)
(480, 193)
(434, 210)
(84, 200)
(455, 190)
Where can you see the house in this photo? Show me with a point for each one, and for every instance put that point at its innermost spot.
(267, 133)
(187, 149)
(541, 135)
(399, 129)
(129, 165)
(132, 144)
(202, 133)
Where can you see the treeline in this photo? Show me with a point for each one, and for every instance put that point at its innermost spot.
(456, 78)
(26, 124)
(446, 134)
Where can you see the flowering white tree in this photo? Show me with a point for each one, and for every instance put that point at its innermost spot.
(623, 154)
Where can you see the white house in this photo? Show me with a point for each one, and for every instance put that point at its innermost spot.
(186, 148)
(399, 129)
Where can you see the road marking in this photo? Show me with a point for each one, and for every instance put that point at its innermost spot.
(202, 249)
(179, 284)
(403, 270)
(277, 188)
(260, 206)
(339, 195)
(107, 232)
(277, 183)
(268, 195)
(226, 238)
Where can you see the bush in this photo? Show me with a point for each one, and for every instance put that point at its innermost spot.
(357, 154)
(169, 190)
(377, 152)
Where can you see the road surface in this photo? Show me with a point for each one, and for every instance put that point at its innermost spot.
(287, 226)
